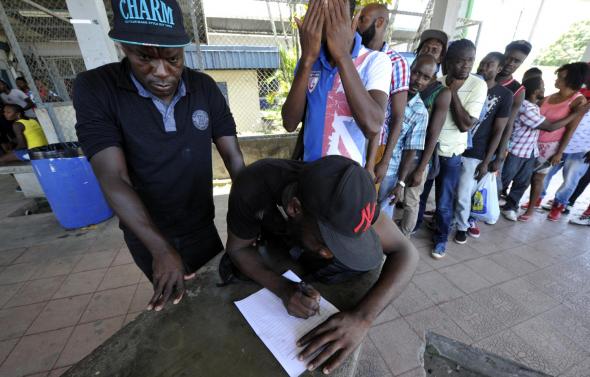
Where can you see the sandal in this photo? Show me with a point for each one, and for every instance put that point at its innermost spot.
(524, 218)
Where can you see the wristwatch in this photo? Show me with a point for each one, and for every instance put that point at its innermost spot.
(402, 184)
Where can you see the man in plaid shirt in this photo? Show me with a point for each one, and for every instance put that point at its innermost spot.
(372, 26)
(407, 151)
(522, 150)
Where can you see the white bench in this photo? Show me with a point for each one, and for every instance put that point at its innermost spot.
(24, 175)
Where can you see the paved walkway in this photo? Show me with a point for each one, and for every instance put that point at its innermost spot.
(521, 291)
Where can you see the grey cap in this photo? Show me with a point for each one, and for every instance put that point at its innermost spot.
(434, 34)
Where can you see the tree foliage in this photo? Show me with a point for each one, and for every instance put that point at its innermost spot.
(568, 48)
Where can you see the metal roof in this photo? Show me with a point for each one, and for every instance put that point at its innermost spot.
(233, 57)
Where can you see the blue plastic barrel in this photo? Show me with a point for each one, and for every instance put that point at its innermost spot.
(70, 185)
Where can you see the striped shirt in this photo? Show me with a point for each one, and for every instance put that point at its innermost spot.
(400, 82)
(413, 133)
(523, 142)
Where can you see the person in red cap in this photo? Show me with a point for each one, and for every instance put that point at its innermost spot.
(146, 124)
(326, 214)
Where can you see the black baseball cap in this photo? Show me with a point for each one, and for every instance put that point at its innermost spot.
(342, 197)
(148, 23)
(434, 34)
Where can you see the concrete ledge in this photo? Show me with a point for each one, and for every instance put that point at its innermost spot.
(256, 148)
(16, 168)
(444, 356)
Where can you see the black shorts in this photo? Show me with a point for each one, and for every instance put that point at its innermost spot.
(195, 249)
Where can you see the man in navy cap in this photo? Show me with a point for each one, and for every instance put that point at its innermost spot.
(326, 212)
(146, 124)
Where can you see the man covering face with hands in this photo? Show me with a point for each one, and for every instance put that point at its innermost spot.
(340, 89)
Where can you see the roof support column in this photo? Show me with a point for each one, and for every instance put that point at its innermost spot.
(91, 25)
(444, 16)
(586, 57)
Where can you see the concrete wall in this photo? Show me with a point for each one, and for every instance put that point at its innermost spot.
(256, 148)
(242, 91)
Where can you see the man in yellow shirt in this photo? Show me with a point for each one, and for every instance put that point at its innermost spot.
(468, 95)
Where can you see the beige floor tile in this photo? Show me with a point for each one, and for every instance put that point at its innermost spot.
(35, 291)
(464, 278)
(398, 344)
(57, 267)
(412, 300)
(106, 304)
(6, 347)
(17, 273)
(121, 276)
(81, 283)
(35, 353)
(490, 270)
(123, 257)
(7, 257)
(560, 351)
(58, 372)
(142, 297)
(437, 287)
(95, 261)
(532, 298)
(15, 321)
(8, 291)
(433, 319)
(60, 313)
(475, 320)
(87, 337)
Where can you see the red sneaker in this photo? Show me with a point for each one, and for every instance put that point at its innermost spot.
(586, 212)
(473, 230)
(555, 213)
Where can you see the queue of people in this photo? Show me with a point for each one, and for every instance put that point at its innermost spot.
(461, 127)
(377, 134)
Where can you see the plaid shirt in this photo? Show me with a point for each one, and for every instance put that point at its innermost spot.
(400, 81)
(523, 141)
(413, 134)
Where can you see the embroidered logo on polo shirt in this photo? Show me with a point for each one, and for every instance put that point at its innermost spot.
(201, 120)
(314, 78)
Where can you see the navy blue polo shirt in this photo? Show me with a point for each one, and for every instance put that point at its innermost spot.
(170, 170)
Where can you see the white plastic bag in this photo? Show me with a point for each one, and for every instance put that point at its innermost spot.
(484, 204)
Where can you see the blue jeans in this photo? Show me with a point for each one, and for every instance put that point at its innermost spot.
(519, 171)
(582, 185)
(554, 170)
(389, 182)
(446, 187)
(574, 168)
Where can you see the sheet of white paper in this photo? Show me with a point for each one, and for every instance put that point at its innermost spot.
(279, 331)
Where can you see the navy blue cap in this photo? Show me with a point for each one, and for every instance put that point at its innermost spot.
(156, 23)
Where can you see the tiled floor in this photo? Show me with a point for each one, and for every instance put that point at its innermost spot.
(520, 290)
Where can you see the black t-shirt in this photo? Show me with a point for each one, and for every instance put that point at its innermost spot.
(171, 171)
(497, 105)
(255, 195)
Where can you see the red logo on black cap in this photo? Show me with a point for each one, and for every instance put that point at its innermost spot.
(367, 215)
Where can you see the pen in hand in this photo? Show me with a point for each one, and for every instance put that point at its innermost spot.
(308, 291)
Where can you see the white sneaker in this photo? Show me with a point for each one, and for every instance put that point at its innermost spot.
(582, 220)
(510, 214)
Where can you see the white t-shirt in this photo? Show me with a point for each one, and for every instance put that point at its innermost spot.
(17, 97)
